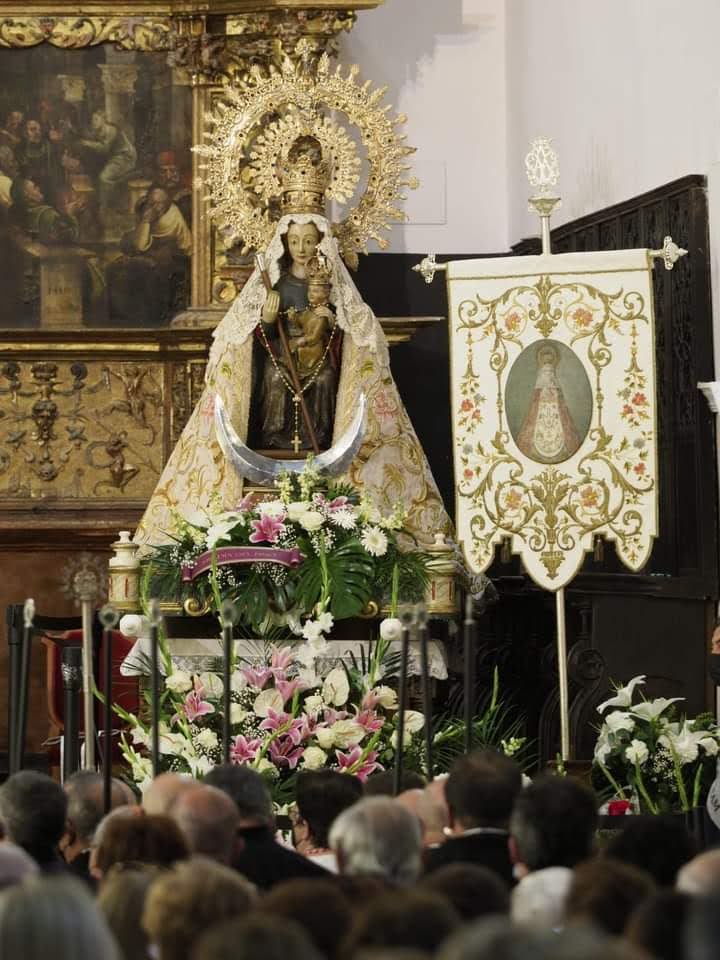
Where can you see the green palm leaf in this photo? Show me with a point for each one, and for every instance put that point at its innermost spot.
(351, 574)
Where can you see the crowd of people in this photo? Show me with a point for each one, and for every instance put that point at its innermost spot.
(473, 865)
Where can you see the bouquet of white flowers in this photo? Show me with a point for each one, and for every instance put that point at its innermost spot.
(316, 553)
(658, 761)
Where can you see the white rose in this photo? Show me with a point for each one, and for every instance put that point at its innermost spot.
(133, 625)
(207, 739)
(637, 752)
(414, 721)
(314, 703)
(237, 714)
(297, 508)
(213, 685)
(271, 508)
(266, 700)
(314, 758)
(311, 520)
(325, 737)
(619, 720)
(391, 629)
(347, 733)
(179, 682)
(387, 698)
(336, 688)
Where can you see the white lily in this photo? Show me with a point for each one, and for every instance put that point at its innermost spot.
(652, 709)
(623, 695)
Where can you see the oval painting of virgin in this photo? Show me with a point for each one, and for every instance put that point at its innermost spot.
(548, 402)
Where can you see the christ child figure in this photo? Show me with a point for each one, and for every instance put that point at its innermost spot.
(315, 322)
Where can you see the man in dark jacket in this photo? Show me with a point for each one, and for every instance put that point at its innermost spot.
(259, 856)
(480, 793)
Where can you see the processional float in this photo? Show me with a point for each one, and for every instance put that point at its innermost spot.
(553, 405)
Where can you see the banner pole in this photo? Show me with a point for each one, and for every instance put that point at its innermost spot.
(563, 685)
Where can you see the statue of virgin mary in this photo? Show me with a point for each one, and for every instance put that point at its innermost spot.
(245, 369)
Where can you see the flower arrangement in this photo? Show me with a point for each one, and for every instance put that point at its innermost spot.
(319, 550)
(286, 716)
(652, 760)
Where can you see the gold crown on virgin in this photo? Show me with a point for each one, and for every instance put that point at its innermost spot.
(305, 178)
(276, 145)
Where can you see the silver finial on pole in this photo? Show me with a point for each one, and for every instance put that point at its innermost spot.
(543, 172)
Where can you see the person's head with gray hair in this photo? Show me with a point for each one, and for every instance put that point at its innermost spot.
(377, 837)
(497, 939)
(209, 821)
(248, 791)
(162, 794)
(33, 808)
(86, 808)
(53, 917)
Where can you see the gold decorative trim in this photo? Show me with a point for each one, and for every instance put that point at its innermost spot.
(73, 33)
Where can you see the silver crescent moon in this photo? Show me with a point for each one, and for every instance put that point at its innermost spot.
(265, 470)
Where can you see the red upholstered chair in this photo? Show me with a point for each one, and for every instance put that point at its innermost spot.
(125, 690)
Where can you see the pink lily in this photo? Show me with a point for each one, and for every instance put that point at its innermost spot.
(256, 677)
(285, 753)
(287, 688)
(332, 716)
(348, 763)
(195, 707)
(369, 701)
(246, 504)
(370, 721)
(280, 721)
(266, 529)
(243, 750)
(339, 503)
(280, 660)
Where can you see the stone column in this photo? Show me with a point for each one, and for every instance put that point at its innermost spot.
(119, 85)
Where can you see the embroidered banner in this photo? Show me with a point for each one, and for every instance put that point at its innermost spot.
(229, 555)
(553, 394)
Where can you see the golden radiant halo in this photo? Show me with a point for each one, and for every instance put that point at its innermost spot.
(247, 141)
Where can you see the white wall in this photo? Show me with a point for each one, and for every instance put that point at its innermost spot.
(628, 89)
(443, 62)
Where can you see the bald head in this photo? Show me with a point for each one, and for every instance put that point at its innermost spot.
(162, 794)
(209, 820)
(701, 876)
